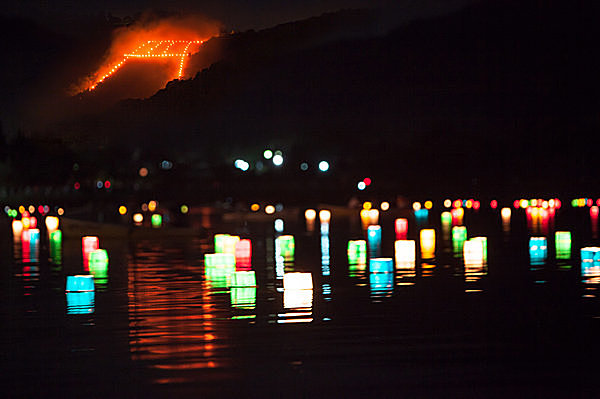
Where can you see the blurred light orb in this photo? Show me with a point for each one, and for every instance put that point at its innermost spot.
(144, 207)
(277, 160)
(323, 166)
(447, 203)
(99, 184)
(138, 218)
(367, 205)
(184, 209)
(269, 209)
(242, 165)
(76, 186)
(268, 154)
(60, 211)
(31, 209)
(278, 207)
(21, 209)
(304, 166)
(143, 172)
(166, 165)
(152, 205)
(416, 206)
(122, 210)
(367, 181)
(279, 225)
(428, 204)
(254, 207)
(361, 185)
(385, 206)
(46, 209)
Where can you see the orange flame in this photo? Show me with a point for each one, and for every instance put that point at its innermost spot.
(166, 39)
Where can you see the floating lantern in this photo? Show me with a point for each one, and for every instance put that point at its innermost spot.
(505, 213)
(220, 242)
(357, 252)
(278, 225)
(459, 236)
(98, 263)
(310, 216)
(590, 254)
(51, 223)
(373, 216)
(285, 246)
(56, 247)
(538, 250)
(156, 220)
(365, 218)
(562, 241)
(138, 219)
(381, 265)
(243, 279)
(446, 218)
(401, 228)
(32, 222)
(324, 216)
(427, 243)
(374, 240)
(80, 283)
(243, 297)
(385, 206)
(457, 216)
(26, 223)
(473, 251)
(405, 251)
(88, 244)
(243, 253)
(80, 302)
(416, 206)
(484, 244)
(297, 281)
(219, 260)
(17, 228)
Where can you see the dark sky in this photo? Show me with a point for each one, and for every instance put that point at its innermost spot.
(235, 14)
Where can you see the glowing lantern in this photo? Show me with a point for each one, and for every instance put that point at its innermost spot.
(381, 265)
(365, 218)
(427, 243)
(243, 297)
(405, 251)
(56, 247)
(416, 206)
(138, 218)
(285, 246)
(297, 281)
(220, 242)
(457, 203)
(25, 222)
(32, 222)
(457, 215)
(373, 216)
(51, 223)
(357, 251)
(590, 254)
(594, 211)
(385, 206)
(278, 225)
(17, 228)
(152, 205)
(300, 299)
(324, 218)
(98, 260)
(473, 251)
(80, 283)
(219, 260)
(459, 236)
(80, 302)
(505, 213)
(122, 210)
(428, 204)
(243, 279)
(447, 203)
(401, 228)
(483, 241)
(538, 250)
(269, 209)
(562, 240)
(243, 253)
(374, 240)
(88, 244)
(446, 218)
(156, 220)
(523, 203)
(310, 216)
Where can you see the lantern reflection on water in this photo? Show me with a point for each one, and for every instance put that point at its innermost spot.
(80, 302)
(310, 215)
(405, 251)
(243, 254)
(298, 295)
(56, 247)
(538, 250)
(381, 276)
(285, 247)
(374, 240)
(17, 228)
(427, 243)
(243, 297)
(243, 279)
(590, 254)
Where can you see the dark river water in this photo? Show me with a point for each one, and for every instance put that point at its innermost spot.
(157, 325)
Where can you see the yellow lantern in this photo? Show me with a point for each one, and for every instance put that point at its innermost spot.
(427, 243)
(405, 251)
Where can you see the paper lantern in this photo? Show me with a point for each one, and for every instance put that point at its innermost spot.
(401, 228)
(324, 216)
(459, 236)
(285, 247)
(98, 265)
(17, 228)
(138, 219)
(80, 283)
(381, 265)
(51, 223)
(374, 240)
(156, 220)
(25, 222)
(590, 254)
(365, 218)
(405, 251)
(457, 216)
(243, 254)
(297, 281)
(219, 260)
(538, 250)
(310, 215)
(373, 216)
(80, 302)
(357, 252)
(32, 222)
(220, 242)
(88, 244)
(473, 251)
(427, 243)
(562, 241)
(446, 218)
(243, 279)
(243, 297)
(484, 245)
(229, 244)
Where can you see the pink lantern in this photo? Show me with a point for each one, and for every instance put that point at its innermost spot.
(243, 255)
(401, 228)
(88, 244)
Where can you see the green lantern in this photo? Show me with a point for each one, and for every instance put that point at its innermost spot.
(220, 240)
(459, 236)
(243, 297)
(285, 247)
(357, 252)
(56, 247)
(243, 279)
(562, 241)
(156, 220)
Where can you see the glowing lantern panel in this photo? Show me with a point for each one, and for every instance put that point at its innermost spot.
(357, 252)
(51, 223)
(243, 279)
(285, 246)
(405, 251)
(156, 220)
(401, 228)
(427, 243)
(297, 281)
(374, 240)
(562, 240)
(80, 283)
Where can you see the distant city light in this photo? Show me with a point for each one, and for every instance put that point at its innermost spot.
(144, 207)
(143, 172)
(254, 207)
(166, 165)
(367, 205)
(447, 203)
(268, 154)
(76, 186)
(31, 209)
(367, 181)
(60, 211)
(107, 184)
(385, 206)
(152, 205)
(361, 185)
(184, 209)
(323, 166)
(269, 209)
(428, 204)
(242, 165)
(416, 206)
(122, 210)
(99, 184)
(277, 160)
(279, 225)
(304, 166)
